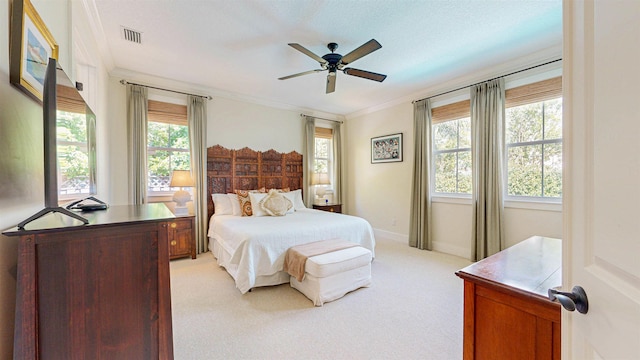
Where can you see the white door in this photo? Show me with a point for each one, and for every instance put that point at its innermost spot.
(602, 184)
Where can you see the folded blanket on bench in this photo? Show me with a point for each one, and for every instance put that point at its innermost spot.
(296, 256)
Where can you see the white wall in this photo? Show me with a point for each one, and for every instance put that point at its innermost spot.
(235, 124)
(381, 192)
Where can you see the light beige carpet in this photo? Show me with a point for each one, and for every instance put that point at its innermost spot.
(413, 310)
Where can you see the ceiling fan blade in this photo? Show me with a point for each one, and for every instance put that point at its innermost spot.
(365, 74)
(305, 51)
(365, 49)
(299, 74)
(331, 82)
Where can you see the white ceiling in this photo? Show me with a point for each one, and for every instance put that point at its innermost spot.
(240, 47)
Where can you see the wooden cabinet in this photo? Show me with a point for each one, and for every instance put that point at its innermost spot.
(507, 314)
(337, 208)
(182, 237)
(97, 291)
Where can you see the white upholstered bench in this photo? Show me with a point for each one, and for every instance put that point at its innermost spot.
(330, 276)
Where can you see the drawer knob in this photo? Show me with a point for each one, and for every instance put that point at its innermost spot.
(173, 243)
(331, 209)
(173, 225)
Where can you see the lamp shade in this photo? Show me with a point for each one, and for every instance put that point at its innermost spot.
(181, 178)
(320, 179)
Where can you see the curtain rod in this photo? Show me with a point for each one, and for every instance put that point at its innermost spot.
(315, 117)
(125, 82)
(497, 77)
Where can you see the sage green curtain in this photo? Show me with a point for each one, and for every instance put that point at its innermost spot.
(308, 157)
(337, 163)
(197, 120)
(487, 152)
(420, 218)
(137, 143)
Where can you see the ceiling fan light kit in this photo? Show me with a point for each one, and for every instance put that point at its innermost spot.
(334, 62)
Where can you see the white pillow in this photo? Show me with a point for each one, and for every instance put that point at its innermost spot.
(297, 202)
(222, 205)
(235, 205)
(276, 204)
(255, 204)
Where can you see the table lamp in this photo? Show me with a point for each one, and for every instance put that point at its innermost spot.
(321, 179)
(181, 179)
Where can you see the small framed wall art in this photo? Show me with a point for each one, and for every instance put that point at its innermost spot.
(31, 47)
(386, 148)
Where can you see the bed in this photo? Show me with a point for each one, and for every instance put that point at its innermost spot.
(252, 248)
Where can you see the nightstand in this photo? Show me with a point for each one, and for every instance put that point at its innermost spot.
(182, 237)
(336, 208)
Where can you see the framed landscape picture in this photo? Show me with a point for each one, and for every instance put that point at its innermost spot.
(31, 47)
(386, 148)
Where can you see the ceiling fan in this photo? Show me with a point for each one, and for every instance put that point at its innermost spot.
(334, 62)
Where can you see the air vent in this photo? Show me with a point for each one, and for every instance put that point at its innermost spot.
(131, 35)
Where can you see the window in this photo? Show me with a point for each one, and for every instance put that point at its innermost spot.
(534, 149)
(73, 154)
(167, 144)
(533, 137)
(452, 148)
(75, 135)
(323, 156)
(452, 154)
(322, 163)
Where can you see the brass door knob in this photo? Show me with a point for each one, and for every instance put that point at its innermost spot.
(173, 243)
(331, 209)
(173, 225)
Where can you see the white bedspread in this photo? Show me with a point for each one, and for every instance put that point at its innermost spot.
(258, 244)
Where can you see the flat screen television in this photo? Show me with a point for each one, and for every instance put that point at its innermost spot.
(59, 94)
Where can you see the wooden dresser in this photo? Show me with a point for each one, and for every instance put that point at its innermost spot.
(98, 291)
(507, 314)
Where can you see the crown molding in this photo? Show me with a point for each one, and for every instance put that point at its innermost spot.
(147, 79)
(97, 30)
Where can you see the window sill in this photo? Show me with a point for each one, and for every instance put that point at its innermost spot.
(452, 199)
(533, 205)
(162, 197)
(510, 203)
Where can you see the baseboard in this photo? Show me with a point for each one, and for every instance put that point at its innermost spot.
(391, 236)
(460, 251)
(438, 246)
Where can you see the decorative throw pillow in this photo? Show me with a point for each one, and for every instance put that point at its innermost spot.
(245, 201)
(292, 197)
(275, 204)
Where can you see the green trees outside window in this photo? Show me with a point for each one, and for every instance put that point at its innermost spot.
(73, 154)
(322, 154)
(533, 139)
(533, 135)
(167, 150)
(452, 156)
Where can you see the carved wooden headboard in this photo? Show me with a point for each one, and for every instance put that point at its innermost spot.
(246, 169)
